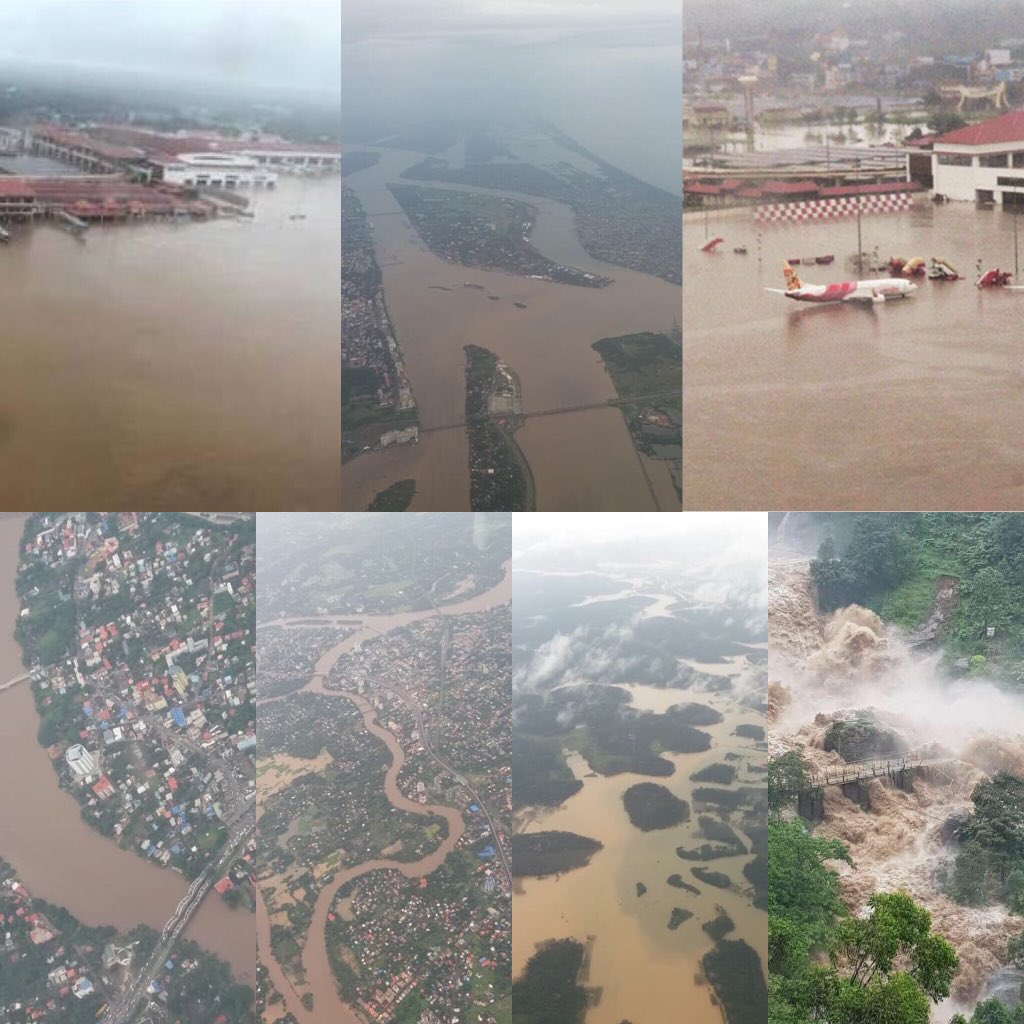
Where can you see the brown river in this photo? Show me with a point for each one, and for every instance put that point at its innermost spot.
(159, 364)
(319, 979)
(914, 404)
(580, 461)
(60, 858)
(646, 973)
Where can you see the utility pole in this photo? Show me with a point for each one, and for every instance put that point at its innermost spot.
(1016, 258)
(860, 271)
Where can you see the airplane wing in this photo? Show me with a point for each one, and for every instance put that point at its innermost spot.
(866, 300)
(777, 291)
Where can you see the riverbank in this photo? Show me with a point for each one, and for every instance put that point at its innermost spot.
(582, 459)
(60, 858)
(319, 980)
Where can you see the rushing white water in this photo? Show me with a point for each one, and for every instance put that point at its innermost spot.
(826, 667)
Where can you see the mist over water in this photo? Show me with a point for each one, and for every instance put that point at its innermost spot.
(824, 668)
(620, 100)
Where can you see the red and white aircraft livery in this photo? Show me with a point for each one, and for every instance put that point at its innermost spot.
(848, 291)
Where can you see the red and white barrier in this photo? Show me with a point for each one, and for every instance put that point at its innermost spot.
(828, 209)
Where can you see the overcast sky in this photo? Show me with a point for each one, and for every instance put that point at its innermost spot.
(606, 72)
(523, 21)
(267, 44)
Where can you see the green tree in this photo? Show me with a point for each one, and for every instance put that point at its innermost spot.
(945, 121)
(998, 820)
(803, 895)
(896, 934)
(970, 875)
(989, 600)
(787, 777)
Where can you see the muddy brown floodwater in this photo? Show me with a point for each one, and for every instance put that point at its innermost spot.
(646, 973)
(914, 404)
(579, 460)
(319, 978)
(159, 364)
(58, 856)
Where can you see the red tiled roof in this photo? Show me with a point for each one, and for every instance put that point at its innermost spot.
(1007, 128)
(788, 187)
(14, 188)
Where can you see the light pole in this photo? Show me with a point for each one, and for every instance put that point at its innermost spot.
(856, 165)
(1016, 259)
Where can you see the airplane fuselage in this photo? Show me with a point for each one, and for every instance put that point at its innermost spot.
(877, 290)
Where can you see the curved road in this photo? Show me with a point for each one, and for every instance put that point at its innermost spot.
(327, 1005)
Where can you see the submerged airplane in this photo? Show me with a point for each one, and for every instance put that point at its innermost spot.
(848, 291)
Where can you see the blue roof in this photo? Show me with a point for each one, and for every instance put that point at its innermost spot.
(179, 716)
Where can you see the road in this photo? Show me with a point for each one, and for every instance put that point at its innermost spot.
(14, 681)
(563, 411)
(121, 1010)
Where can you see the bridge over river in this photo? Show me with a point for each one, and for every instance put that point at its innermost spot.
(850, 777)
(24, 677)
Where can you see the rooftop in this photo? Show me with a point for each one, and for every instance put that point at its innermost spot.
(996, 130)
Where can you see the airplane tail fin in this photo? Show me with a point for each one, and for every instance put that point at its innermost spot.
(792, 281)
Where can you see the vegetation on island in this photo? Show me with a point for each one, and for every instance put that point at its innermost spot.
(487, 231)
(652, 806)
(499, 475)
(547, 992)
(645, 369)
(734, 970)
(396, 498)
(549, 853)
(678, 917)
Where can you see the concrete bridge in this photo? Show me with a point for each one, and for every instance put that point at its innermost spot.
(853, 779)
(14, 682)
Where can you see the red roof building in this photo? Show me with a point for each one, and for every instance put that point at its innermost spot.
(983, 162)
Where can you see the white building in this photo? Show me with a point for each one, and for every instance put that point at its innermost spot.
(983, 161)
(217, 170)
(288, 156)
(79, 760)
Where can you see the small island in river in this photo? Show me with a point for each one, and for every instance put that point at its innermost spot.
(549, 853)
(650, 806)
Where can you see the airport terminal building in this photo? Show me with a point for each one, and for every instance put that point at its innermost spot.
(983, 162)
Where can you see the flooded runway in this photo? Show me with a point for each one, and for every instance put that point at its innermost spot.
(914, 404)
(589, 464)
(158, 364)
